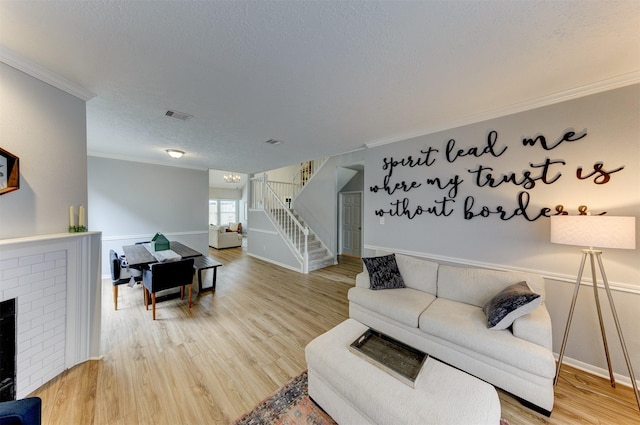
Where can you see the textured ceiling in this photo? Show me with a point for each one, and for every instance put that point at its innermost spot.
(325, 77)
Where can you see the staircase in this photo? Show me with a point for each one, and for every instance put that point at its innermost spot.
(275, 199)
(318, 256)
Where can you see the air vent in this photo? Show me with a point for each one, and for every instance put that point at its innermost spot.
(274, 142)
(178, 115)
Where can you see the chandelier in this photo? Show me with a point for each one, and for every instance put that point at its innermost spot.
(231, 178)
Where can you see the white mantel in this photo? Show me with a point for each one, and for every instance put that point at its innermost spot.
(56, 282)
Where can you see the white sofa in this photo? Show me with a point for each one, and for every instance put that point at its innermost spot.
(219, 238)
(440, 311)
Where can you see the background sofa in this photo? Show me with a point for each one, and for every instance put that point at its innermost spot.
(220, 238)
(440, 311)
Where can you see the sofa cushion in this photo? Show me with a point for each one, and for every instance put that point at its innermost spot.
(465, 325)
(418, 274)
(383, 272)
(535, 327)
(403, 305)
(507, 305)
(477, 286)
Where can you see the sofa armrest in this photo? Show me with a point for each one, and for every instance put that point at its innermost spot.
(362, 280)
(535, 327)
(25, 411)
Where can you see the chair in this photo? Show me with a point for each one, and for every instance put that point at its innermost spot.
(121, 274)
(219, 238)
(27, 411)
(161, 276)
(234, 227)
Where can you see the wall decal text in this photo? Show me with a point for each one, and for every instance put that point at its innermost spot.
(482, 175)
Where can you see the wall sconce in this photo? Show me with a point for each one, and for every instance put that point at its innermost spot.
(174, 153)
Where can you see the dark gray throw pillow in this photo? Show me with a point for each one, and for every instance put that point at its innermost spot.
(383, 272)
(512, 302)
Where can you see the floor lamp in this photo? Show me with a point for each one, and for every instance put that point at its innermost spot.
(602, 232)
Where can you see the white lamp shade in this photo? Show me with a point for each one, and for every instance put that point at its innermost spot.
(594, 231)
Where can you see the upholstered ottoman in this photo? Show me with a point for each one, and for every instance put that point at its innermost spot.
(353, 391)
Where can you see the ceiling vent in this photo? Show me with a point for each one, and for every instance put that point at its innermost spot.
(274, 142)
(178, 115)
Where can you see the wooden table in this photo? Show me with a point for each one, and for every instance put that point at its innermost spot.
(202, 263)
(138, 255)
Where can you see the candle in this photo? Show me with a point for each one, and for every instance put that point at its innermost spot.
(81, 217)
(71, 221)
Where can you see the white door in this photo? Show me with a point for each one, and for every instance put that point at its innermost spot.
(350, 226)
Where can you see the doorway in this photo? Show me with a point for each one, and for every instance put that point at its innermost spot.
(350, 224)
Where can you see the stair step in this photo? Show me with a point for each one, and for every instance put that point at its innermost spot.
(311, 245)
(321, 263)
(317, 253)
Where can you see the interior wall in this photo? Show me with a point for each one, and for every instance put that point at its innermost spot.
(264, 242)
(317, 203)
(356, 184)
(220, 193)
(449, 212)
(46, 128)
(141, 199)
(284, 174)
(592, 158)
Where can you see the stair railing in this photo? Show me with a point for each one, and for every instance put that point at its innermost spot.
(307, 170)
(289, 226)
(285, 191)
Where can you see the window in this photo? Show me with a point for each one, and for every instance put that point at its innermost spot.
(213, 211)
(228, 212)
(223, 211)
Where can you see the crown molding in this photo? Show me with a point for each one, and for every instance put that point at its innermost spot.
(563, 96)
(18, 62)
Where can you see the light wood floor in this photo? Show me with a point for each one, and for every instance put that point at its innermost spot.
(213, 363)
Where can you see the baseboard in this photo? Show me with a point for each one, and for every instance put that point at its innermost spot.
(269, 260)
(597, 371)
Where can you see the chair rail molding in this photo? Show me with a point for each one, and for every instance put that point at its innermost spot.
(586, 280)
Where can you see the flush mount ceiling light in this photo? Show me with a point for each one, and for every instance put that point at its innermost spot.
(174, 153)
(231, 178)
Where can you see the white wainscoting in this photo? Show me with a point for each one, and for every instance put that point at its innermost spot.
(56, 282)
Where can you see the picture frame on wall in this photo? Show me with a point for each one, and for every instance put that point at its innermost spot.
(9, 172)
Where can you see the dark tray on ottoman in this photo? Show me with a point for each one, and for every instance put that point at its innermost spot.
(394, 357)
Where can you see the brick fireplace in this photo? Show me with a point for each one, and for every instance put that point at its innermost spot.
(55, 281)
(8, 350)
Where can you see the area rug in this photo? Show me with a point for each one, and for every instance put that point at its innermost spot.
(291, 405)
